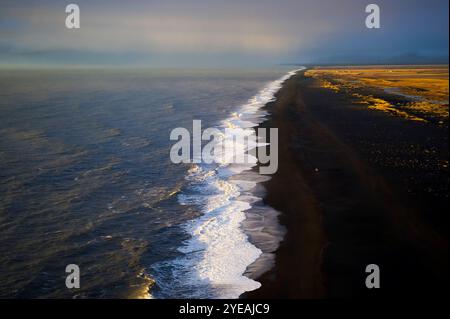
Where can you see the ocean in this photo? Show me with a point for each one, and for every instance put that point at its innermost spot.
(86, 179)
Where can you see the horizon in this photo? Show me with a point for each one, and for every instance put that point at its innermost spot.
(242, 150)
(211, 34)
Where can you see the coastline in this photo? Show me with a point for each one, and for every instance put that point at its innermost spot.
(346, 195)
(228, 196)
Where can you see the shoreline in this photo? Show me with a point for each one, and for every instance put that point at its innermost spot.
(344, 202)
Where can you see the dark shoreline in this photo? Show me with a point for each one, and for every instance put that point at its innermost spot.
(355, 187)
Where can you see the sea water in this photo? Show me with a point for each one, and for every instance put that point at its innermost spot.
(86, 179)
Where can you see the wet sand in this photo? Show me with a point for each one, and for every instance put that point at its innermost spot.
(354, 187)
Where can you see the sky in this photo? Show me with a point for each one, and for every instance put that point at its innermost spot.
(187, 33)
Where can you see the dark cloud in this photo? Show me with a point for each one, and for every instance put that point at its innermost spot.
(229, 32)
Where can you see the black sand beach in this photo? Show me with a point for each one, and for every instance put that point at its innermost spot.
(355, 187)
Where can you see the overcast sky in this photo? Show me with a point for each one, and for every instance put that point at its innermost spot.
(222, 33)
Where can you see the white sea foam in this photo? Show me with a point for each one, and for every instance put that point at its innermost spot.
(218, 253)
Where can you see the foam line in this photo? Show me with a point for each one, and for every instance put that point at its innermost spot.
(218, 252)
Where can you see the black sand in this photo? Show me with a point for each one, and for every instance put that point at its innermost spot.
(355, 187)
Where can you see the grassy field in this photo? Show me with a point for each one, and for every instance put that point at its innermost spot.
(418, 93)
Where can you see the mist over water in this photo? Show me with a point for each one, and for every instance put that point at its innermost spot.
(86, 176)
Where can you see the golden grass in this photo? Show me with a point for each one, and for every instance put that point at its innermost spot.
(425, 88)
(328, 85)
(382, 105)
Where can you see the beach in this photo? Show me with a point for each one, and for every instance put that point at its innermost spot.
(356, 185)
(225, 157)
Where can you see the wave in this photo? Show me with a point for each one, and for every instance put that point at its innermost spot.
(216, 258)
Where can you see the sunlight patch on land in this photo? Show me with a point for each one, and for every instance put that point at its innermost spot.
(424, 89)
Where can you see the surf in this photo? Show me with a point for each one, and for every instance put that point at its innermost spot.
(218, 252)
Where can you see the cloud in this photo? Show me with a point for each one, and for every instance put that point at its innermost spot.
(146, 32)
(284, 30)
